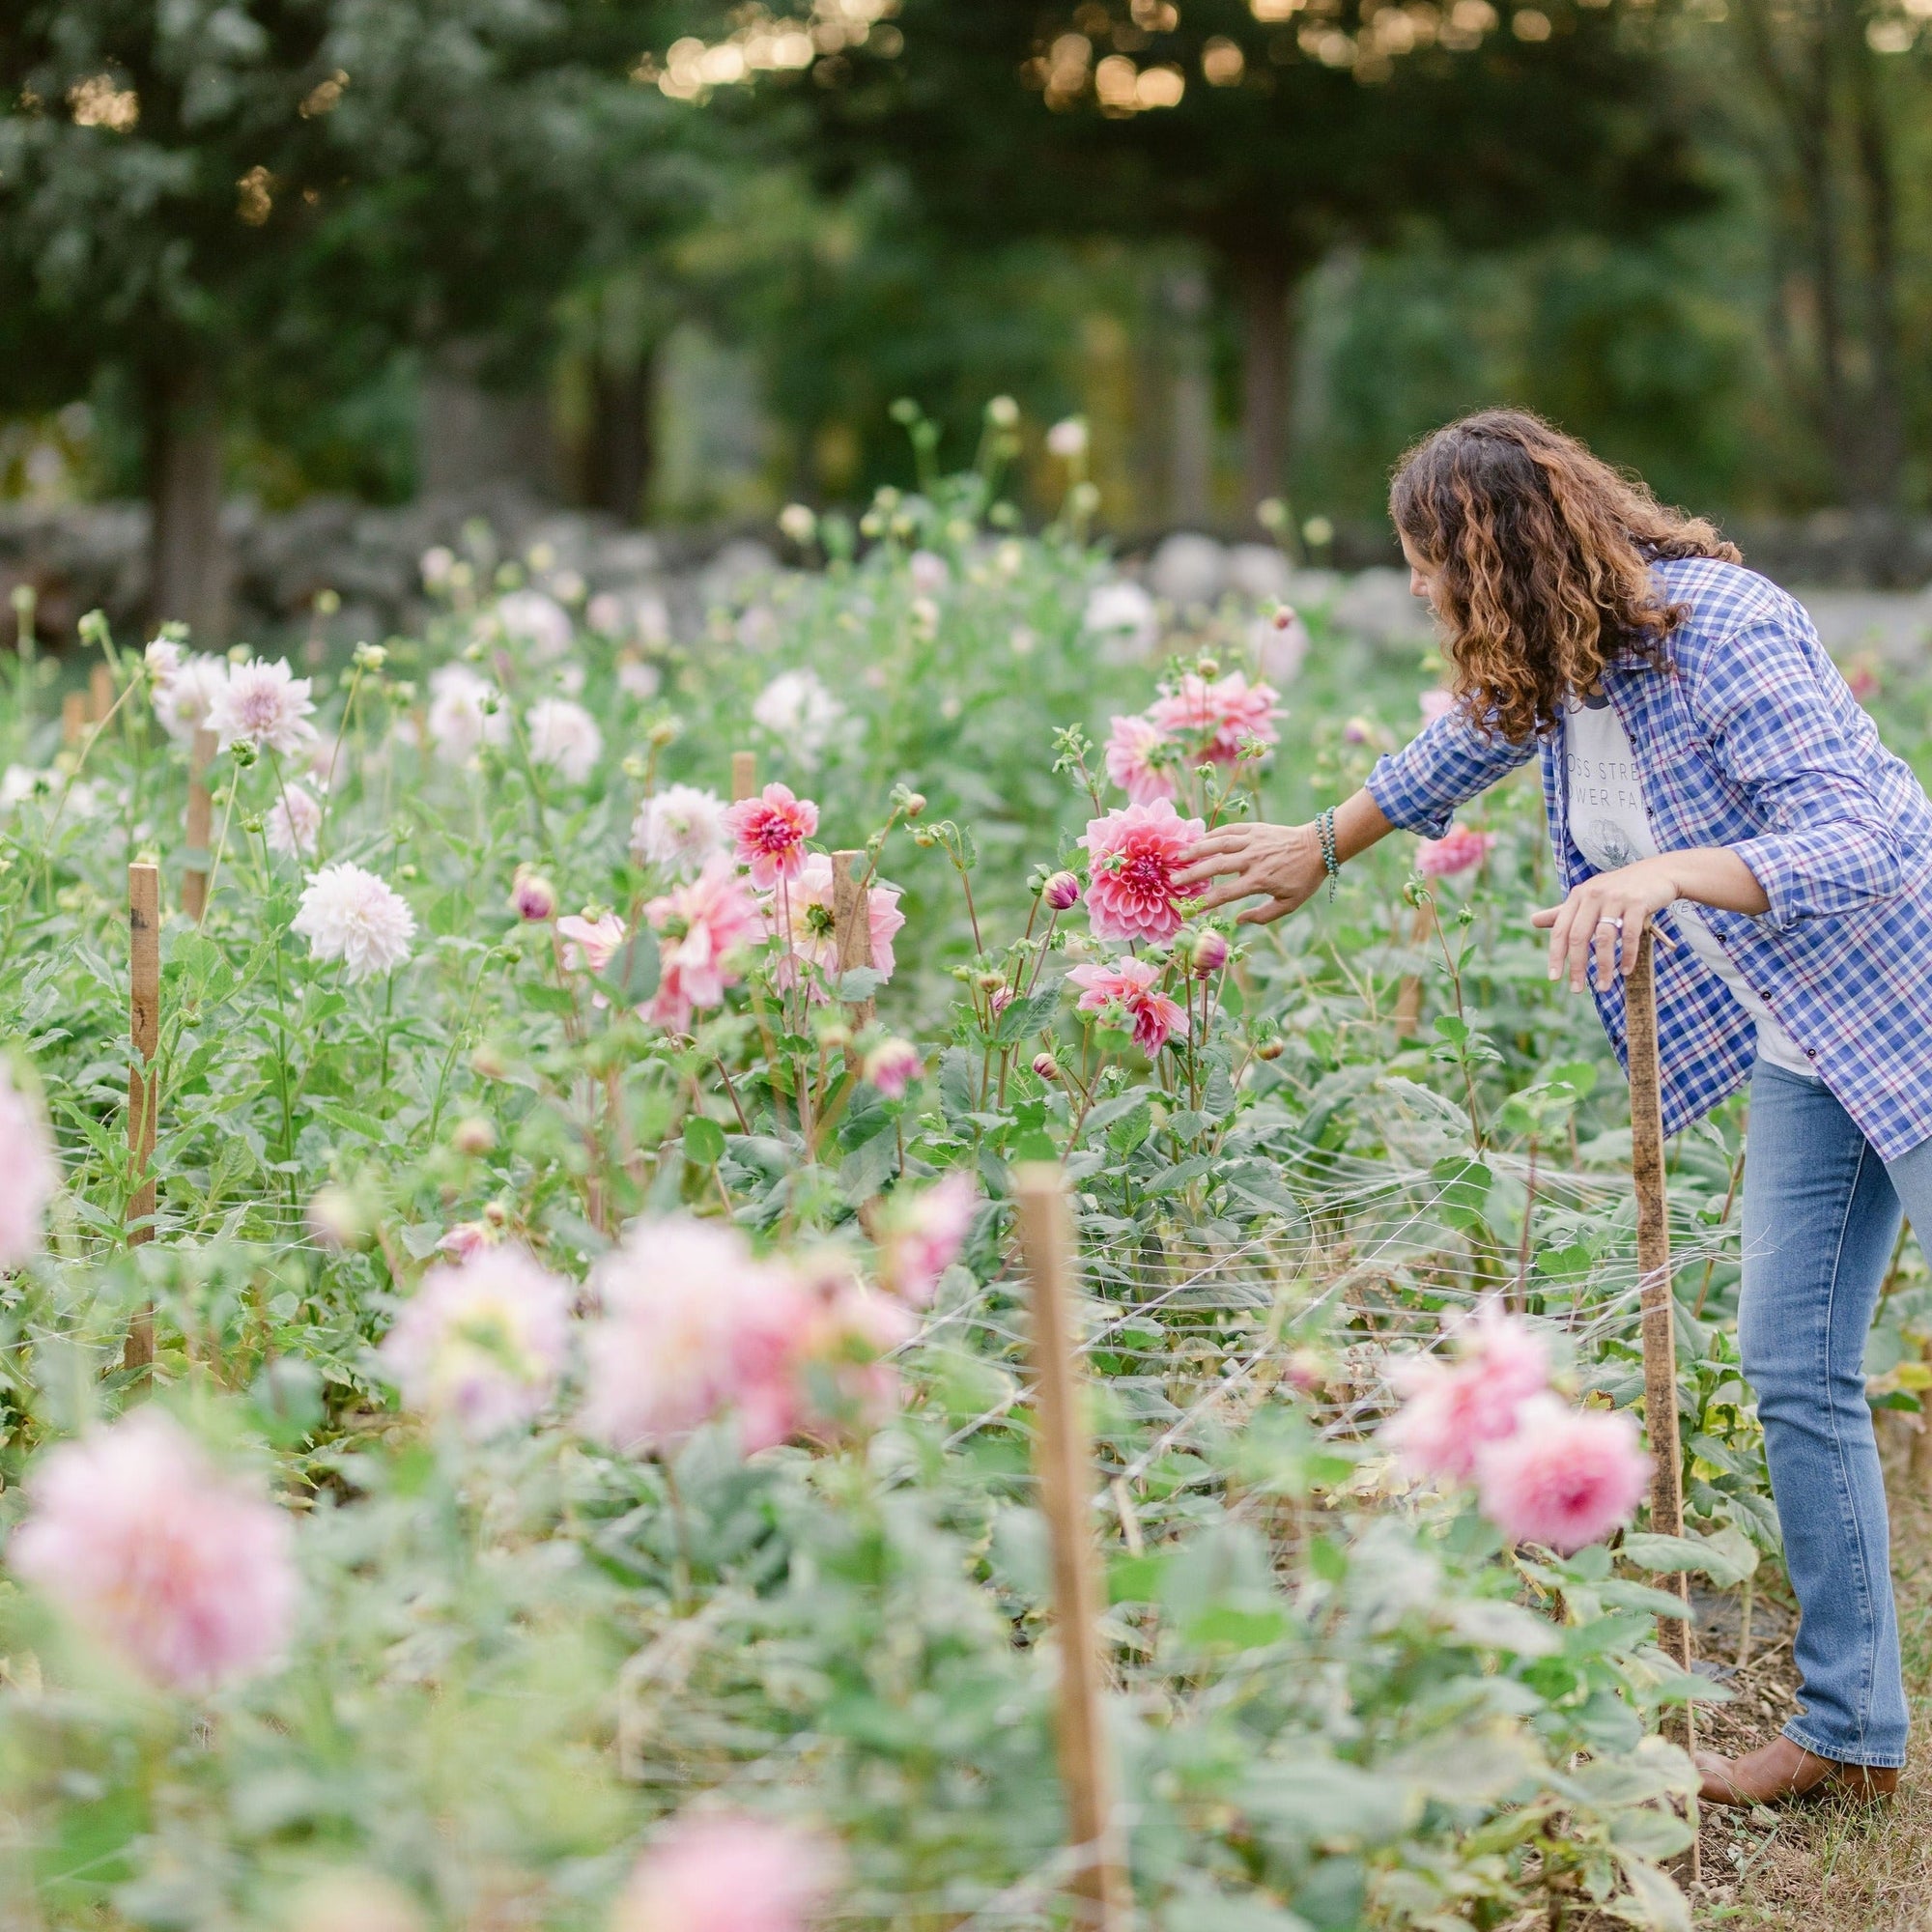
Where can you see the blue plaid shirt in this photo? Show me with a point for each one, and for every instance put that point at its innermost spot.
(1749, 738)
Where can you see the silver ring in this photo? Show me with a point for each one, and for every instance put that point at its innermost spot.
(1606, 920)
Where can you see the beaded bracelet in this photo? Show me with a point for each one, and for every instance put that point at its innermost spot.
(1324, 825)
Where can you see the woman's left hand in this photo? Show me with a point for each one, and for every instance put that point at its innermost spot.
(1612, 906)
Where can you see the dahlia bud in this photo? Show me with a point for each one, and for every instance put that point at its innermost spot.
(473, 1135)
(495, 1213)
(1208, 953)
(1061, 891)
(1207, 666)
(893, 1065)
(1046, 1066)
(532, 896)
(336, 1218)
(488, 1061)
(1269, 1049)
(915, 803)
(989, 982)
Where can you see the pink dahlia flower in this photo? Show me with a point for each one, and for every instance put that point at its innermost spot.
(1455, 1408)
(1062, 891)
(467, 1240)
(771, 831)
(1132, 749)
(33, 1175)
(893, 1065)
(147, 1546)
(924, 1233)
(699, 927)
(1563, 1477)
(348, 914)
(1225, 713)
(265, 703)
(692, 1326)
(1456, 851)
(727, 1873)
(294, 823)
(482, 1343)
(1131, 859)
(1125, 992)
(813, 939)
(591, 944)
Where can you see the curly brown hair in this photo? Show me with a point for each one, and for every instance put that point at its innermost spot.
(1543, 552)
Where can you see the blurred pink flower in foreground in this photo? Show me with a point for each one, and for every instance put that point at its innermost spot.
(467, 1240)
(1564, 1477)
(33, 1175)
(923, 1234)
(812, 935)
(893, 1065)
(771, 831)
(1456, 851)
(727, 1873)
(699, 926)
(692, 1326)
(1124, 991)
(150, 1548)
(1133, 857)
(1226, 712)
(1454, 1407)
(482, 1343)
(1130, 751)
(591, 944)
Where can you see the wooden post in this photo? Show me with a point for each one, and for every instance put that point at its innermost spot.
(200, 824)
(852, 923)
(74, 718)
(1659, 1308)
(99, 694)
(1408, 995)
(744, 775)
(144, 936)
(1065, 1461)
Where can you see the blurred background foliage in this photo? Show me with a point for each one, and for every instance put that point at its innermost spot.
(674, 260)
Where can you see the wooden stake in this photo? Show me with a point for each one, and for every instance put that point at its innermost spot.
(1659, 1305)
(200, 824)
(74, 718)
(1408, 995)
(99, 694)
(852, 924)
(143, 944)
(744, 775)
(1065, 1461)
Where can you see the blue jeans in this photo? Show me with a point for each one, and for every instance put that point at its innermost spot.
(1821, 1214)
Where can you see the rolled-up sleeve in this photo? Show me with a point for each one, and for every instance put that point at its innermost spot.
(1446, 764)
(1803, 756)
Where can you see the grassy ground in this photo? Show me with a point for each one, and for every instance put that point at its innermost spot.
(1828, 1868)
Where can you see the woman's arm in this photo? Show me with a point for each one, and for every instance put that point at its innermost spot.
(1281, 861)
(1618, 905)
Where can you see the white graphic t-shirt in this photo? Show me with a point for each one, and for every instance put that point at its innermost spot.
(1610, 827)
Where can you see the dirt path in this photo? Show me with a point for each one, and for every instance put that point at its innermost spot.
(1826, 1867)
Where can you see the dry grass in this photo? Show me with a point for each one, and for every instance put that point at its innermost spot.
(1832, 1867)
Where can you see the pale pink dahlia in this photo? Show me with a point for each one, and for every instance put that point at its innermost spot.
(467, 1240)
(678, 830)
(1453, 1409)
(482, 1343)
(1563, 1477)
(1131, 859)
(701, 928)
(589, 944)
(564, 736)
(33, 1175)
(266, 704)
(727, 1873)
(529, 617)
(136, 1535)
(811, 932)
(465, 711)
(771, 831)
(1456, 851)
(1225, 713)
(893, 1065)
(185, 696)
(1125, 992)
(294, 823)
(1134, 761)
(353, 915)
(692, 1326)
(924, 1233)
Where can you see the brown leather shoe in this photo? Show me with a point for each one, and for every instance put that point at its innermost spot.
(1784, 1768)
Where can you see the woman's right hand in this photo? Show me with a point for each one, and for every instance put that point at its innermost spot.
(1281, 863)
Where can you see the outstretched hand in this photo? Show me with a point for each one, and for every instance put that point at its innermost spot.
(1605, 917)
(1280, 864)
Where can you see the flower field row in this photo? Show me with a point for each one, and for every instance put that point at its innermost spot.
(584, 1474)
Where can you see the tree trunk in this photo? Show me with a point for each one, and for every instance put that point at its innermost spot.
(1190, 470)
(1264, 284)
(187, 559)
(622, 436)
(1885, 437)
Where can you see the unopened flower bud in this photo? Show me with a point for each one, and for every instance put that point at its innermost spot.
(989, 980)
(663, 732)
(915, 803)
(1208, 953)
(1003, 413)
(473, 1135)
(1061, 891)
(1269, 1049)
(1046, 1066)
(1207, 666)
(893, 1065)
(488, 1062)
(532, 896)
(495, 1213)
(335, 1218)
